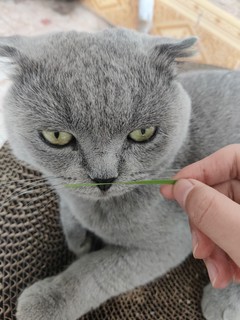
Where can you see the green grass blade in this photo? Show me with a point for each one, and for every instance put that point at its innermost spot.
(139, 182)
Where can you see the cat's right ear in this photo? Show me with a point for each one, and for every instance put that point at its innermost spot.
(11, 56)
(167, 52)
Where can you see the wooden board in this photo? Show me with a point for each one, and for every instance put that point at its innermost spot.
(218, 31)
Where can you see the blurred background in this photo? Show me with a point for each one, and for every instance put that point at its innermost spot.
(215, 22)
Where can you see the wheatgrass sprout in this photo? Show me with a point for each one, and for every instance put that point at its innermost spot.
(137, 182)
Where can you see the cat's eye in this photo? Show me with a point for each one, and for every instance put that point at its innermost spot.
(142, 135)
(57, 138)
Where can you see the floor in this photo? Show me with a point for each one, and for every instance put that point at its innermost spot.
(49, 15)
(230, 6)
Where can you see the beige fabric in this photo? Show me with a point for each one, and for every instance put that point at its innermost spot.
(32, 247)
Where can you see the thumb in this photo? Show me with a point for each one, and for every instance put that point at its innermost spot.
(211, 212)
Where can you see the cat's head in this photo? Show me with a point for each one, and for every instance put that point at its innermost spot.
(101, 106)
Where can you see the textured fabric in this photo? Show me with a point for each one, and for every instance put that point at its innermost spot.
(176, 296)
(32, 247)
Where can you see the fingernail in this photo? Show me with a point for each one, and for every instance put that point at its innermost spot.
(212, 270)
(181, 191)
(194, 243)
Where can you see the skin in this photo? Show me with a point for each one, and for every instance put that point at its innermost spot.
(209, 192)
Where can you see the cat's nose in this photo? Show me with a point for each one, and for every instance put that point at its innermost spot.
(104, 187)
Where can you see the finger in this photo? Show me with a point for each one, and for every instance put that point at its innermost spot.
(236, 272)
(212, 213)
(204, 248)
(231, 189)
(167, 191)
(219, 268)
(201, 244)
(220, 166)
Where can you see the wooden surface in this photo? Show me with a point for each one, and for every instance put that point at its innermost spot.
(118, 12)
(218, 31)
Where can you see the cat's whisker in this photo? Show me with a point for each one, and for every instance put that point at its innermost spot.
(25, 190)
(170, 171)
(141, 176)
(24, 180)
(43, 195)
(38, 182)
(16, 183)
(153, 177)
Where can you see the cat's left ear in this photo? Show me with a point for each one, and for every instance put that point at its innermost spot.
(167, 53)
(11, 56)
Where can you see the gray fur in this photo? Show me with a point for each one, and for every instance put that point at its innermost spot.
(100, 87)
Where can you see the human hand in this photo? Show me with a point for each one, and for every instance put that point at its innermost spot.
(209, 191)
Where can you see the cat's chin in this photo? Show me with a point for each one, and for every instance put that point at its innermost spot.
(103, 195)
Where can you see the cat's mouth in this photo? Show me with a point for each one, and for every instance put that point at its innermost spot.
(94, 192)
(104, 189)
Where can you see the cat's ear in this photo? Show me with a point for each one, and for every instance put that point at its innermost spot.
(164, 54)
(11, 56)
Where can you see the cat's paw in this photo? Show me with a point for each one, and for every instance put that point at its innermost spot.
(41, 301)
(221, 304)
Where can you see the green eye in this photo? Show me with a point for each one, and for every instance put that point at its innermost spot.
(59, 138)
(142, 135)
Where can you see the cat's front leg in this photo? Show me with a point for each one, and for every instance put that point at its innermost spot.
(78, 240)
(221, 304)
(88, 282)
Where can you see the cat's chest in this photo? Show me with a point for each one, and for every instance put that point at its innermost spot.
(142, 222)
(112, 219)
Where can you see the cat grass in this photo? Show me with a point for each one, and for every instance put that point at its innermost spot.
(135, 182)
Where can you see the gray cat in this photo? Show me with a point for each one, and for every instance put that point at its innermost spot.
(110, 107)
